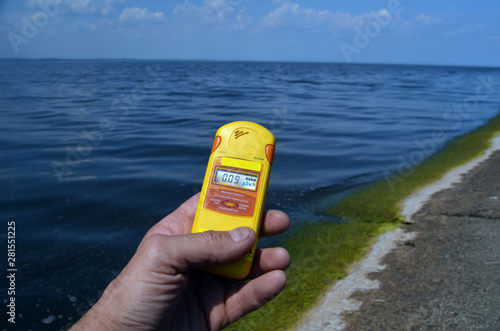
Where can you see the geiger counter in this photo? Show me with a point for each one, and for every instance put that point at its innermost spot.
(235, 186)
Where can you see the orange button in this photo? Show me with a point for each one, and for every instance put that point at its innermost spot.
(216, 144)
(230, 203)
(270, 153)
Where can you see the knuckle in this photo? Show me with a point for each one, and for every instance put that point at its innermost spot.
(214, 238)
(152, 248)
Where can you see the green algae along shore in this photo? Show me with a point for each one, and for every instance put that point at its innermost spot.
(323, 252)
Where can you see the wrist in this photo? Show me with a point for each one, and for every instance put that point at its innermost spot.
(102, 316)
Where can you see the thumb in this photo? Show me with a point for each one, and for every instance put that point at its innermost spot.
(216, 247)
(196, 250)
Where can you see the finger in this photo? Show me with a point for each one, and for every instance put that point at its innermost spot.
(254, 294)
(269, 259)
(266, 260)
(180, 221)
(177, 254)
(274, 222)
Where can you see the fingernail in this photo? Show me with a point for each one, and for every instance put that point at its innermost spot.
(240, 234)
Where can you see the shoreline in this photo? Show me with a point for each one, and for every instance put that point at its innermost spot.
(416, 200)
(328, 311)
(330, 256)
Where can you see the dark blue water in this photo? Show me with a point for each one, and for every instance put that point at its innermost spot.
(93, 153)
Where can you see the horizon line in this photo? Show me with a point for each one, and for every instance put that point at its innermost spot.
(242, 60)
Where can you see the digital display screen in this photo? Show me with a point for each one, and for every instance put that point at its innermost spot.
(236, 179)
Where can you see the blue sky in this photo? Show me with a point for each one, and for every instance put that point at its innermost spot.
(389, 31)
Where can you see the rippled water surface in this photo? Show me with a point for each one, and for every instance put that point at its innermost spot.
(93, 153)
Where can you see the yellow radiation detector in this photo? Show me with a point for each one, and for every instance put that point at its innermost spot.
(235, 186)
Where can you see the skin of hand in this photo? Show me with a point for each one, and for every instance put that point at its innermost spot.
(160, 288)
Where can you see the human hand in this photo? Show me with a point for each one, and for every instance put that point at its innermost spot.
(160, 288)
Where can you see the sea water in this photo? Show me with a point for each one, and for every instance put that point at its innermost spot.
(95, 152)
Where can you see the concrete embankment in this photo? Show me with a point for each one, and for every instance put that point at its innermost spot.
(441, 271)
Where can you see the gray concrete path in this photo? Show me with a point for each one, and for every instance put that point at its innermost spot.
(448, 277)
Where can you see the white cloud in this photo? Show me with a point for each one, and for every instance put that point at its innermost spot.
(79, 5)
(140, 14)
(214, 11)
(242, 20)
(107, 7)
(293, 15)
(469, 28)
(426, 20)
(84, 7)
